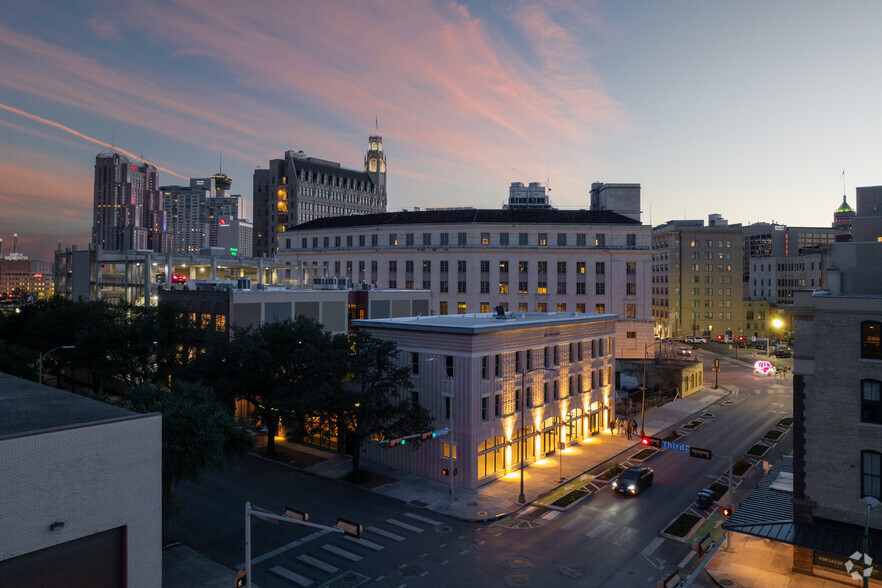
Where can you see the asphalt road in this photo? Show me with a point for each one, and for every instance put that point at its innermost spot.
(607, 540)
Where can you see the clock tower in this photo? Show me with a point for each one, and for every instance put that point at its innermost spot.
(375, 166)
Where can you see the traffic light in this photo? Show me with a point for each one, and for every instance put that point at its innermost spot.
(719, 337)
(241, 579)
(427, 435)
(446, 471)
(394, 442)
(651, 441)
(702, 453)
(740, 338)
(728, 510)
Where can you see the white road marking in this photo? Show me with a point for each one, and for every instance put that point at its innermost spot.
(317, 563)
(625, 537)
(405, 526)
(365, 543)
(385, 533)
(283, 548)
(550, 515)
(603, 526)
(289, 575)
(652, 546)
(341, 552)
(423, 519)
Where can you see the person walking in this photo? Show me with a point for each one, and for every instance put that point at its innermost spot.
(629, 431)
(634, 425)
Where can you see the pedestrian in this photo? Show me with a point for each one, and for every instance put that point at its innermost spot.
(634, 424)
(622, 428)
(629, 431)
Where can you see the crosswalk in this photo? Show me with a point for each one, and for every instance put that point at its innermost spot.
(328, 560)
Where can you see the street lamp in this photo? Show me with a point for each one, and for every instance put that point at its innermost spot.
(643, 401)
(521, 497)
(42, 355)
(452, 469)
(776, 324)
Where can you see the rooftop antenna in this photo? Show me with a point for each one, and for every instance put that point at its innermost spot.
(843, 182)
(220, 155)
(376, 124)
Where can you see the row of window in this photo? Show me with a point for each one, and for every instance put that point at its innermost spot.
(599, 308)
(462, 240)
(503, 287)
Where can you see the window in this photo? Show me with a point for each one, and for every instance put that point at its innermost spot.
(600, 240)
(503, 267)
(447, 407)
(542, 288)
(484, 402)
(523, 288)
(460, 308)
(561, 267)
(497, 368)
(415, 363)
(580, 268)
(361, 240)
(522, 239)
(427, 239)
(529, 359)
(543, 239)
(408, 266)
(461, 238)
(556, 355)
(545, 392)
(503, 287)
(871, 407)
(631, 267)
(461, 266)
(444, 266)
(871, 474)
(600, 267)
(461, 287)
(599, 288)
(871, 345)
(448, 365)
(580, 289)
(445, 239)
(631, 240)
(630, 289)
(561, 239)
(580, 239)
(503, 239)
(484, 367)
(631, 335)
(497, 404)
(561, 287)
(375, 240)
(485, 287)
(393, 239)
(443, 287)
(561, 306)
(485, 238)
(442, 307)
(427, 266)
(556, 390)
(485, 267)
(408, 239)
(393, 284)
(599, 308)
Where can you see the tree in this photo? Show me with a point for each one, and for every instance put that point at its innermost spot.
(375, 399)
(281, 369)
(196, 433)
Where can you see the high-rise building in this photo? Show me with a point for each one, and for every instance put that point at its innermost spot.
(696, 279)
(199, 212)
(842, 219)
(127, 208)
(298, 188)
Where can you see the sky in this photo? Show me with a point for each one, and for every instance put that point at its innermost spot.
(758, 111)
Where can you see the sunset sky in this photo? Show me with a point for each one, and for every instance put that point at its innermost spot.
(748, 109)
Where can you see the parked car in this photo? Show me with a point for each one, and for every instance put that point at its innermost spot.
(783, 351)
(632, 481)
(684, 351)
(699, 339)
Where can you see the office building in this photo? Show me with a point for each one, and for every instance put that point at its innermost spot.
(532, 196)
(127, 208)
(776, 240)
(696, 278)
(200, 214)
(298, 189)
(510, 389)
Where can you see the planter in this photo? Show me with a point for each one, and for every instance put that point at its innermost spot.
(692, 425)
(785, 422)
(744, 466)
(772, 435)
(643, 455)
(570, 500)
(610, 473)
(672, 436)
(758, 450)
(682, 527)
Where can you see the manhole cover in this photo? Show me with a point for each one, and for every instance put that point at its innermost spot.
(519, 562)
(725, 582)
(481, 513)
(517, 581)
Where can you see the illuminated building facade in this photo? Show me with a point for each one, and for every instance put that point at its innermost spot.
(697, 278)
(198, 214)
(473, 260)
(842, 219)
(297, 189)
(127, 206)
(483, 371)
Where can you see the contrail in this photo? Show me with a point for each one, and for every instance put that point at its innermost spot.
(86, 137)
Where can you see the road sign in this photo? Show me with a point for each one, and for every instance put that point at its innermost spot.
(675, 446)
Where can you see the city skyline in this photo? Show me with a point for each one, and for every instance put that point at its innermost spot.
(748, 110)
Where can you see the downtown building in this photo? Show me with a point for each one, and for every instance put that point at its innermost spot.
(510, 389)
(296, 189)
(473, 260)
(127, 206)
(202, 215)
(697, 279)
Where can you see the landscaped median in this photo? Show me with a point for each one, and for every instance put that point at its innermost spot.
(568, 495)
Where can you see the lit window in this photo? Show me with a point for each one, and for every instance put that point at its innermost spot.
(871, 345)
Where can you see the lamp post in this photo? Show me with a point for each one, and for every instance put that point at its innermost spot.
(42, 355)
(776, 324)
(643, 401)
(451, 470)
(521, 497)
(872, 502)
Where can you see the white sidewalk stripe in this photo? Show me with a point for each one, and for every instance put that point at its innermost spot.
(603, 526)
(550, 515)
(405, 526)
(423, 519)
(625, 537)
(385, 533)
(341, 552)
(317, 563)
(284, 548)
(289, 575)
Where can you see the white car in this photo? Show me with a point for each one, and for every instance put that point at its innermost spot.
(699, 339)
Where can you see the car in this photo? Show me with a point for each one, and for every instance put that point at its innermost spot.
(632, 481)
(684, 351)
(699, 339)
(782, 351)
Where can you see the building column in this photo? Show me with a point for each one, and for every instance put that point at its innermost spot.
(803, 560)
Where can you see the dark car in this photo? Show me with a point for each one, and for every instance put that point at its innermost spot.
(632, 481)
(783, 352)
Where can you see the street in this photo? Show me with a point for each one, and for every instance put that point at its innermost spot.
(606, 540)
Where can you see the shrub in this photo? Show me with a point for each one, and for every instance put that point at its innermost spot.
(672, 436)
(758, 450)
(568, 499)
(682, 525)
(645, 453)
(786, 422)
(611, 473)
(740, 467)
(773, 434)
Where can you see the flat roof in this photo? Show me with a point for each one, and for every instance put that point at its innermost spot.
(475, 323)
(28, 407)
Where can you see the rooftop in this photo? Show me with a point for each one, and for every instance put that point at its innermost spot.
(473, 324)
(472, 216)
(28, 407)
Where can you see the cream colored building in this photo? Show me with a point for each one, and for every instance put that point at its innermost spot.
(473, 260)
(524, 382)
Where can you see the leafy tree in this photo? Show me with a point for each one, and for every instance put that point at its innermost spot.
(375, 399)
(196, 433)
(281, 369)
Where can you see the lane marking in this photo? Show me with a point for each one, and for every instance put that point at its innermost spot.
(289, 575)
(603, 526)
(405, 526)
(423, 519)
(625, 537)
(385, 533)
(365, 543)
(341, 552)
(283, 548)
(317, 563)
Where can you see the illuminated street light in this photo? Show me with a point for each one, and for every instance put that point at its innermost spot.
(776, 324)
